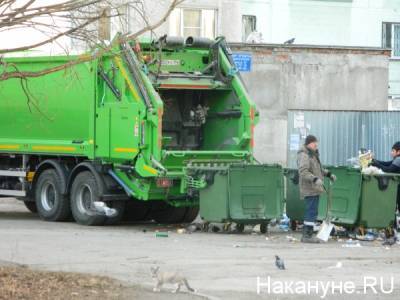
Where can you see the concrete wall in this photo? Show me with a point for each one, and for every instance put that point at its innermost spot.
(310, 78)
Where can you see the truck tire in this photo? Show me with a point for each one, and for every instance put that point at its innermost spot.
(50, 203)
(31, 206)
(191, 214)
(137, 210)
(119, 206)
(164, 213)
(84, 192)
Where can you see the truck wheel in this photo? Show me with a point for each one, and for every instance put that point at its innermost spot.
(31, 206)
(83, 194)
(137, 210)
(164, 213)
(119, 206)
(191, 214)
(50, 203)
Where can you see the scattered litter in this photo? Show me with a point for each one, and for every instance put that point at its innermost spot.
(365, 158)
(192, 228)
(338, 265)
(181, 230)
(215, 228)
(387, 248)
(144, 230)
(161, 233)
(291, 238)
(267, 238)
(284, 223)
(236, 246)
(367, 237)
(372, 171)
(398, 220)
(256, 229)
(340, 231)
(273, 223)
(279, 263)
(390, 241)
(351, 244)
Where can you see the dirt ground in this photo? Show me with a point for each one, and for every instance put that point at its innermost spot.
(22, 283)
(217, 265)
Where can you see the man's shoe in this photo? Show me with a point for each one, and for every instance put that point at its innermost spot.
(308, 235)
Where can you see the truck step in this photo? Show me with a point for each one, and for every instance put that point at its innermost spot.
(12, 173)
(17, 193)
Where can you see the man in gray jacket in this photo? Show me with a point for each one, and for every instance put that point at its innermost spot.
(311, 182)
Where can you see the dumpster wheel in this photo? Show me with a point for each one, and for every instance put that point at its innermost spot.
(240, 228)
(264, 228)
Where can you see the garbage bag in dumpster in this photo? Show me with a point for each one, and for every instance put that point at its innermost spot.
(246, 194)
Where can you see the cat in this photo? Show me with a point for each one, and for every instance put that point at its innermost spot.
(169, 277)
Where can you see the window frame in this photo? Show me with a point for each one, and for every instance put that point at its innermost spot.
(202, 28)
(255, 25)
(384, 45)
(182, 11)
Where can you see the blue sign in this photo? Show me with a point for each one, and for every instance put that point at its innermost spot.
(242, 61)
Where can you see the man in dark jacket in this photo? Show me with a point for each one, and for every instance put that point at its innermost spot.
(392, 166)
(311, 182)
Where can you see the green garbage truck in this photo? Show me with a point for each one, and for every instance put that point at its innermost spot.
(142, 124)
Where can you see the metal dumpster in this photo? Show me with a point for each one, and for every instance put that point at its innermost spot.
(295, 205)
(357, 200)
(245, 194)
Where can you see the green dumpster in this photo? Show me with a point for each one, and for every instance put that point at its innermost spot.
(378, 205)
(245, 194)
(357, 200)
(295, 205)
(346, 195)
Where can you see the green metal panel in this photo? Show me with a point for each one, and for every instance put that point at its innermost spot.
(255, 192)
(245, 194)
(51, 114)
(214, 199)
(294, 205)
(378, 201)
(346, 192)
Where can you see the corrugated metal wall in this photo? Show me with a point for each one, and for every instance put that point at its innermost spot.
(342, 134)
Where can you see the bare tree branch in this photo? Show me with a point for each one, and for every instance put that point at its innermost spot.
(82, 14)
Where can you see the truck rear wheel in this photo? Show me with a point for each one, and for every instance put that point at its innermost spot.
(84, 192)
(31, 206)
(50, 203)
(164, 213)
(191, 214)
(137, 210)
(119, 206)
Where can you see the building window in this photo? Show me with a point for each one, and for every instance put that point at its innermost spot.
(391, 38)
(193, 22)
(249, 25)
